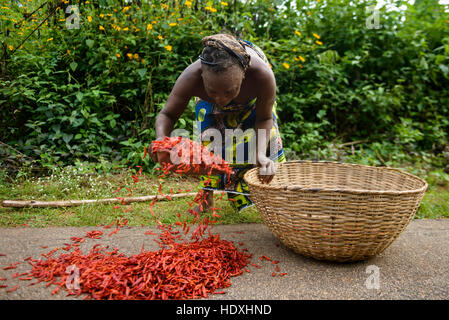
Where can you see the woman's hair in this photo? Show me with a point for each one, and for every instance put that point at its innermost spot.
(222, 51)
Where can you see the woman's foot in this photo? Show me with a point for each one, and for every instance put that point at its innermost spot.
(205, 200)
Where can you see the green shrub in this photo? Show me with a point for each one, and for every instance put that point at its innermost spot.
(93, 93)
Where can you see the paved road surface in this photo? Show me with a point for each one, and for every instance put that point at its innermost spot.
(415, 266)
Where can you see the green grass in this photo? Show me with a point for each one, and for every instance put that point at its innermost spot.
(435, 203)
(74, 184)
(78, 183)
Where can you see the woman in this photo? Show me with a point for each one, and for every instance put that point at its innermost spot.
(235, 89)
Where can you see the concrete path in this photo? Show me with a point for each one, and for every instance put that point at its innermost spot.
(415, 266)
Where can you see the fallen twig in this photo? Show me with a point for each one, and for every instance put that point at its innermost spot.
(73, 203)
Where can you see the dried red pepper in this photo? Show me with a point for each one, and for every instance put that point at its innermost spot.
(194, 158)
(184, 271)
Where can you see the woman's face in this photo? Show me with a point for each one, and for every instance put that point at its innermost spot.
(222, 87)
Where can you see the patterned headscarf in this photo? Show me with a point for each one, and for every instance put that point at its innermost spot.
(231, 45)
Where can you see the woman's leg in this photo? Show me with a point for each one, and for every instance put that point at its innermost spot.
(206, 201)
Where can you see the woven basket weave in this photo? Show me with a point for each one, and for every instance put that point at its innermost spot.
(336, 211)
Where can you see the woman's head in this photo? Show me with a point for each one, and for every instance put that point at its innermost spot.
(223, 63)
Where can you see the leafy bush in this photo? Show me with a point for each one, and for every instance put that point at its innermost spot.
(93, 93)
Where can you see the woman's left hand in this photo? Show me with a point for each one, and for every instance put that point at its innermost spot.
(267, 169)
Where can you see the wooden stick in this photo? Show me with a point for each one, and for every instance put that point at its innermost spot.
(73, 203)
(351, 143)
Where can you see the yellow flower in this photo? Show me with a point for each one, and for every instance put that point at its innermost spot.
(188, 3)
(6, 8)
(101, 28)
(149, 26)
(159, 37)
(86, 2)
(224, 4)
(297, 32)
(89, 18)
(302, 59)
(210, 9)
(125, 9)
(172, 24)
(68, 51)
(125, 29)
(11, 47)
(316, 36)
(143, 60)
(168, 47)
(163, 5)
(318, 42)
(136, 56)
(286, 65)
(130, 55)
(51, 39)
(118, 55)
(101, 15)
(308, 13)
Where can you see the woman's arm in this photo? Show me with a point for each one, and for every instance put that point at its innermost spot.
(264, 122)
(184, 89)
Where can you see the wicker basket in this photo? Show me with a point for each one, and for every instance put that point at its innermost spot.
(336, 211)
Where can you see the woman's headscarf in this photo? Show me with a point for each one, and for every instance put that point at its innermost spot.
(227, 43)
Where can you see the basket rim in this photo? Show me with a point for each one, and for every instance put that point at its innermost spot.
(354, 191)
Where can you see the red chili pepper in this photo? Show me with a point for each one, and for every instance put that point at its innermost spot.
(26, 278)
(13, 289)
(95, 234)
(266, 258)
(113, 232)
(160, 190)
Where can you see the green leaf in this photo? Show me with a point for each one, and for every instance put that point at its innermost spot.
(79, 95)
(73, 65)
(142, 72)
(444, 68)
(67, 137)
(90, 43)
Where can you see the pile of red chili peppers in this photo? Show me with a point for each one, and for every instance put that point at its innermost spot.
(181, 269)
(191, 157)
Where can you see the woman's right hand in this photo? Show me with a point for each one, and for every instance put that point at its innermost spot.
(161, 156)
